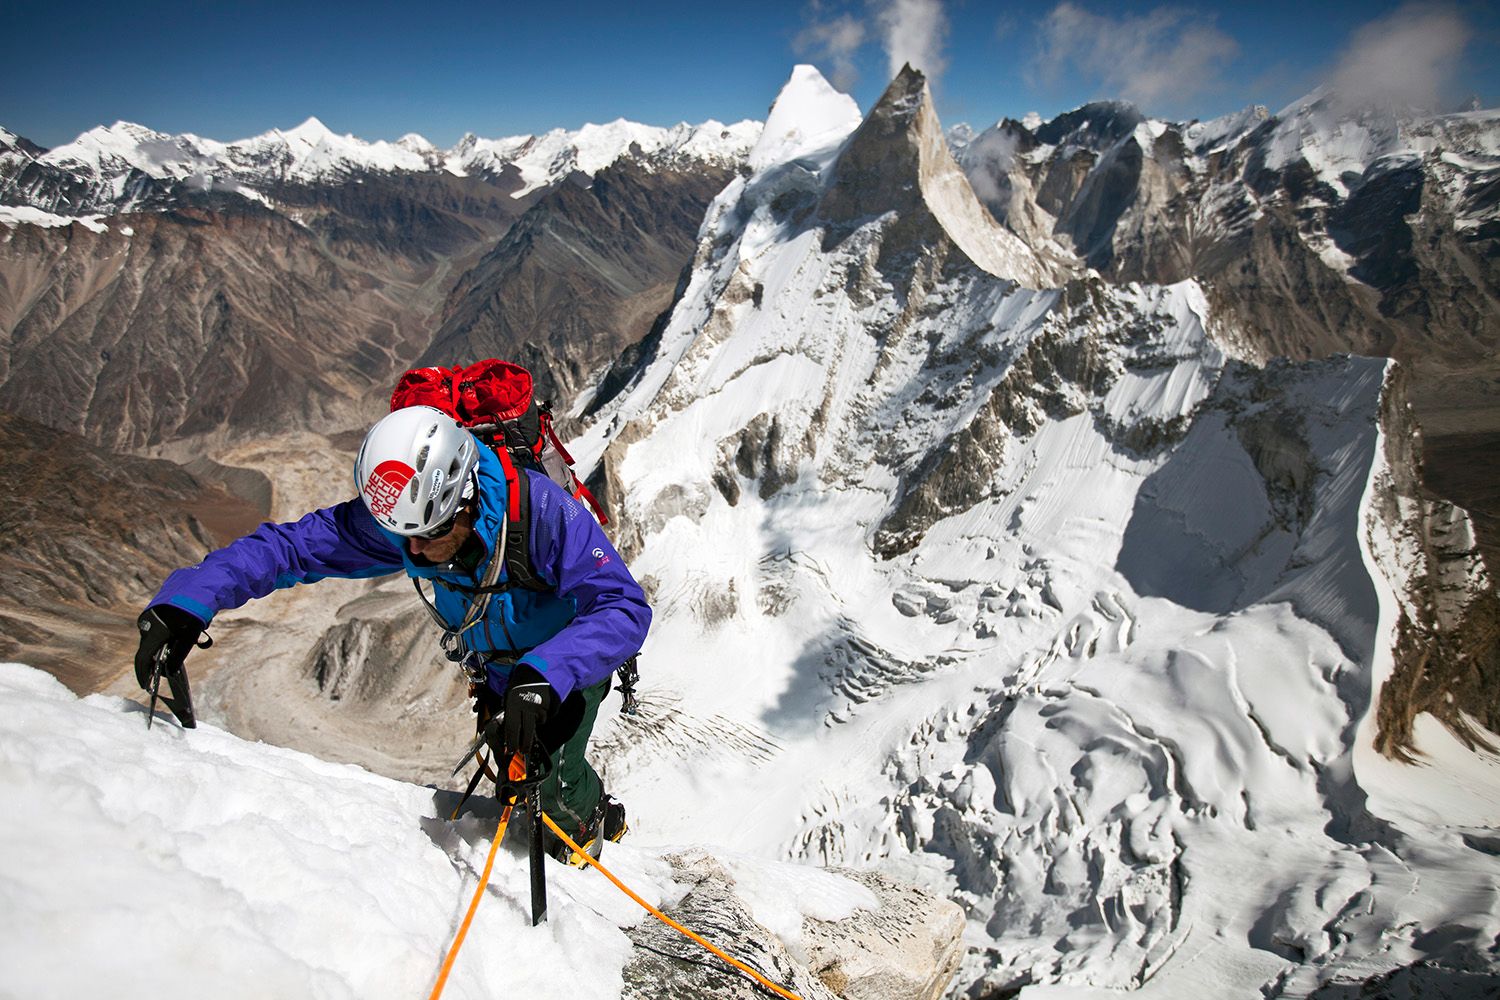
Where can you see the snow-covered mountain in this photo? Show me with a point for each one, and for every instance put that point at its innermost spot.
(1326, 227)
(993, 567)
(124, 167)
(1035, 592)
(1041, 592)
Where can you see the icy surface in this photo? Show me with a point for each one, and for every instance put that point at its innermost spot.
(166, 863)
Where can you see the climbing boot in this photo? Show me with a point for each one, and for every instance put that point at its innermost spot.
(607, 823)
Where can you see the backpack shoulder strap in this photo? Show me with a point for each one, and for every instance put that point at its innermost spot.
(576, 487)
(518, 526)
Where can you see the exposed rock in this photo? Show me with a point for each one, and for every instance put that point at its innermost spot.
(1447, 653)
(364, 657)
(762, 454)
(907, 947)
(898, 161)
(1465, 468)
(1428, 980)
(197, 324)
(1063, 371)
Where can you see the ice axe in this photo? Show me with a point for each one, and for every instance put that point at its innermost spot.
(527, 772)
(169, 664)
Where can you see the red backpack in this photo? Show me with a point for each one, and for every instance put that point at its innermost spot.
(495, 400)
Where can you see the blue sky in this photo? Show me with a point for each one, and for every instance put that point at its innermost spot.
(381, 69)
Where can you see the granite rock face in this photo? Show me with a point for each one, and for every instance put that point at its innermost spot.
(1322, 229)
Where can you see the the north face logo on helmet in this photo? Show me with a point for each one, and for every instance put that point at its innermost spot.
(384, 486)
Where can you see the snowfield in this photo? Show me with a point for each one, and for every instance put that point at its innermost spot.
(168, 863)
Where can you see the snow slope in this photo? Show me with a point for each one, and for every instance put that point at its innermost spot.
(167, 863)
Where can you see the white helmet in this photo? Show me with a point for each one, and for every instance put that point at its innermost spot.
(413, 469)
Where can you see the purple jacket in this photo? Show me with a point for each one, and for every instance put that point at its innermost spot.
(593, 620)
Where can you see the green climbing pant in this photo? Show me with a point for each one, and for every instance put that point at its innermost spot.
(571, 792)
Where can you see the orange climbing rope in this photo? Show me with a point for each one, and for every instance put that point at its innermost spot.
(580, 852)
(517, 772)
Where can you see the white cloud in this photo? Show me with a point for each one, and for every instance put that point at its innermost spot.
(909, 31)
(834, 44)
(913, 31)
(988, 162)
(1157, 59)
(1409, 58)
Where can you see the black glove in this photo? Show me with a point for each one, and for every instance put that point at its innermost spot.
(164, 626)
(529, 703)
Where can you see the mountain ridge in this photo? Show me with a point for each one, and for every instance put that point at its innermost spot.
(1098, 597)
(119, 168)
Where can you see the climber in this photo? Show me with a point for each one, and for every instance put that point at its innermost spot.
(438, 504)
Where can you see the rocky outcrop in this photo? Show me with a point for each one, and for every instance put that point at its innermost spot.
(909, 946)
(899, 162)
(1447, 630)
(1254, 200)
(904, 947)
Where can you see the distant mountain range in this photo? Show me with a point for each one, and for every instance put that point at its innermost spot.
(125, 167)
(217, 253)
(1323, 228)
(171, 296)
(159, 290)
